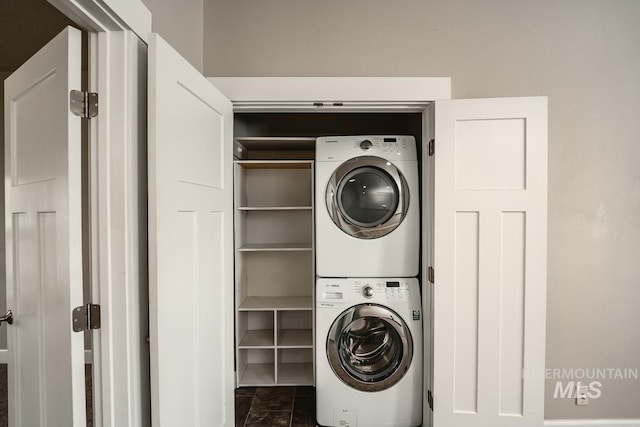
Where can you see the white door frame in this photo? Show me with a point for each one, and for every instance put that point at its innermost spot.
(117, 62)
(108, 15)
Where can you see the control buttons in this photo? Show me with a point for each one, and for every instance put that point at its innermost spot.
(397, 293)
(368, 291)
(366, 144)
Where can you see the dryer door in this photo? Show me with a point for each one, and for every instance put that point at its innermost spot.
(369, 347)
(367, 197)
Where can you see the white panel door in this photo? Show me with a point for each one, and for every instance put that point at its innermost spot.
(190, 244)
(489, 256)
(44, 237)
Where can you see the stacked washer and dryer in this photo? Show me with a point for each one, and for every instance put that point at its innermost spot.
(368, 311)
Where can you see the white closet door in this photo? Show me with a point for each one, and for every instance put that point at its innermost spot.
(44, 237)
(489, 256)
(190, 244)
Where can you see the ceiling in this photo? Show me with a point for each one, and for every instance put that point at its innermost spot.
(26, 26)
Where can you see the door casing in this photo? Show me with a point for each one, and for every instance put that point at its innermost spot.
(117, 58)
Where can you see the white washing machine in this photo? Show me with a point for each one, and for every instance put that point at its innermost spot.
(367, 206)
(368, 352)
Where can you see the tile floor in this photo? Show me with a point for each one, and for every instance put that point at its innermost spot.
(276, 407)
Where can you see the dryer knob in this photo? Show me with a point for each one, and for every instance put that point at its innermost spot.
(368, 291)
(366, 144)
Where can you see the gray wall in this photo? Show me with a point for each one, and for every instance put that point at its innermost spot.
(180, 24)
(583, 54)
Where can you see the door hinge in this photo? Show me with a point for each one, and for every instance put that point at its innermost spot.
(431, 275)
(86, 317)
(83, 104)
(430, 399)
(432, 147)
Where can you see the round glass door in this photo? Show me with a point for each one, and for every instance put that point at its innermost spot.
(369, 347)
(367, 197)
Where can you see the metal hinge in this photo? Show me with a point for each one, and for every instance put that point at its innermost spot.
(86, 317)
(430, 399)
(432, 147)
(83, 104)
(431, 275)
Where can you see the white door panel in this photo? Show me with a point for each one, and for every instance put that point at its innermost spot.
(44, 237)
(489, 255)
(190, 244)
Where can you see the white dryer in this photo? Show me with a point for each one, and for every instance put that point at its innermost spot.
(367, 206)
(368, 352)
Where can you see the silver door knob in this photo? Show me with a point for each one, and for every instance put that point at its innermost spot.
(7, 317)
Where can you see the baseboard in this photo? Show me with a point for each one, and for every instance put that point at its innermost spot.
(593, 423)
(4, 356)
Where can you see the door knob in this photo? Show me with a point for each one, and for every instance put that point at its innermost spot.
(7, 317)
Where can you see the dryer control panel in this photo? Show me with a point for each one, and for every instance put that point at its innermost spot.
(340, 148)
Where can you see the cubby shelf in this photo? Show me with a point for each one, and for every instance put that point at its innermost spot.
(258, 374)
(259, 338)
(289, 374)
(295, 374)
(292, 353)
(295, 338)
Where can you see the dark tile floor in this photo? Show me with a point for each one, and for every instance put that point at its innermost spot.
(276, 407)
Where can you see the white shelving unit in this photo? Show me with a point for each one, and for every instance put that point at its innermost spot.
(274, 266)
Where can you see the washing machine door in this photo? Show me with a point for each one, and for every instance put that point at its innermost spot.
(367, 197)
(369, 347)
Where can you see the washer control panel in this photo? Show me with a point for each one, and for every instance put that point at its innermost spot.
(342, 292)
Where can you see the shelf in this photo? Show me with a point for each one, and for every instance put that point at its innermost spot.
(295, 374)
(277, 143)
(274, 208)
(276, 303)
(260, 338)
(295, 338)
(274, 247)
(273, 183)
(258, 374)
(275, 164)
